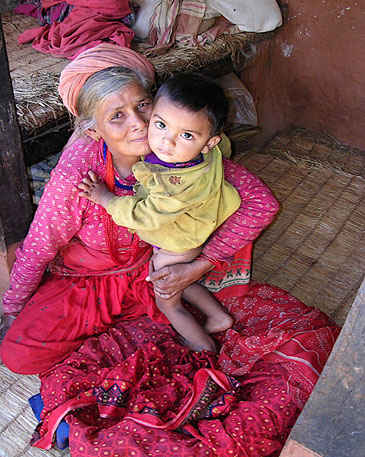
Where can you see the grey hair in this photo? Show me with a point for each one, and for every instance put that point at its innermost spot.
(101, 85)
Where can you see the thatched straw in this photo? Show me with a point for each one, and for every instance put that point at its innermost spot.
(243, 133)
(35, 75)
(238, 48)
(37, 100)
(309, 150)
(315, 248)
(17, 420)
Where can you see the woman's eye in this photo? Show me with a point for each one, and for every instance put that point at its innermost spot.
(160, 125)
(117, 115)
(187, 136)
(143, 105)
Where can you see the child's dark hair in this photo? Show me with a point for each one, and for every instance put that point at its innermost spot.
(196, 92)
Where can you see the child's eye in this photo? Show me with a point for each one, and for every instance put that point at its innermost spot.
(160, 125)
(187, 136)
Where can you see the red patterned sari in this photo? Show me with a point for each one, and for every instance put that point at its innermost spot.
(135, 390)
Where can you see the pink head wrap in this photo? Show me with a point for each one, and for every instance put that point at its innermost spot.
(105, 55)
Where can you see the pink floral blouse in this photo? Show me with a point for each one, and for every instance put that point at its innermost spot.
(62, 215)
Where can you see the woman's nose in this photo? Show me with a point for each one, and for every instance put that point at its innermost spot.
(138, 121)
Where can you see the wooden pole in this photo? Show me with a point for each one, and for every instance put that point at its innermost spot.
(16, 210)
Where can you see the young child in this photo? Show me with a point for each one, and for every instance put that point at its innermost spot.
(181, 195)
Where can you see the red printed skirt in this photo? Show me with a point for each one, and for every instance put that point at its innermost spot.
(135, 390)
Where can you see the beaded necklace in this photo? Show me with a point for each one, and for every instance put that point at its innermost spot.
(110, 225)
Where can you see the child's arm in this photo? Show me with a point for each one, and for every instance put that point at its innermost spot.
(94, 190)
(131, 211)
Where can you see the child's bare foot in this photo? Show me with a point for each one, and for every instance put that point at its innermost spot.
(214, 325)
(196, 348)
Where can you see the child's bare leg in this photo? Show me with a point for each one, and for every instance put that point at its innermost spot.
(185, 323)
(218, 319)
(173, 309)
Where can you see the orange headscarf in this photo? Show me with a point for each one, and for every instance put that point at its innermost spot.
(105, 55)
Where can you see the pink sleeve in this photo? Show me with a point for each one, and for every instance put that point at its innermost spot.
(257, 210)
(57, 219)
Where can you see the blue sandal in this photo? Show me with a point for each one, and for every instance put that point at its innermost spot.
(63, 430)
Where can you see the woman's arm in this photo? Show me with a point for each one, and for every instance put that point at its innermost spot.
(57, 219)
(258, 208)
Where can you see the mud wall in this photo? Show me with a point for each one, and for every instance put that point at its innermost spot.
(312, 73)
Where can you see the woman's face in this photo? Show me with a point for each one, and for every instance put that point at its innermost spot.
(122, 121)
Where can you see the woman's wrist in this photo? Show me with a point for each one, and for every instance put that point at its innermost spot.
(201, 266)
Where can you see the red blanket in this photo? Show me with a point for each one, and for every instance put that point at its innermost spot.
(90, 23)
(135, 390)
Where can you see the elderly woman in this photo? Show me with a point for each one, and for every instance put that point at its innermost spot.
(97, 270)
(90, 325)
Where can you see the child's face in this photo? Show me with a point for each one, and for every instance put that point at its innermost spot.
(178, 135)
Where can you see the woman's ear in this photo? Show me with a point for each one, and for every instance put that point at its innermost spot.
(93, 134)
(213, 141)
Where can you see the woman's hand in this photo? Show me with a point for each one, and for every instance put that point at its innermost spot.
(94, 190)
(170, 280)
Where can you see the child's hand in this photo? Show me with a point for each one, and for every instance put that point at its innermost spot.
(94, 190)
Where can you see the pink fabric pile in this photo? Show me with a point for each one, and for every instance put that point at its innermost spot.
(90, 23)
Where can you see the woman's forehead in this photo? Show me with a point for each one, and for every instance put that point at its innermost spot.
(129, 95)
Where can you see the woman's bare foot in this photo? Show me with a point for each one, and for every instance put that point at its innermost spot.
(214, 325)
(5, 324)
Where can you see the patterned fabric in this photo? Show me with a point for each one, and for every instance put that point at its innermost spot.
(175, 21)
(45, 16)
(236, 276)
(85, 294)
(257, 210)
(135, 390)
(162, 23)
(62, 215)
(177, 209)
(152, 158)
(100, 57)
(90, 23)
